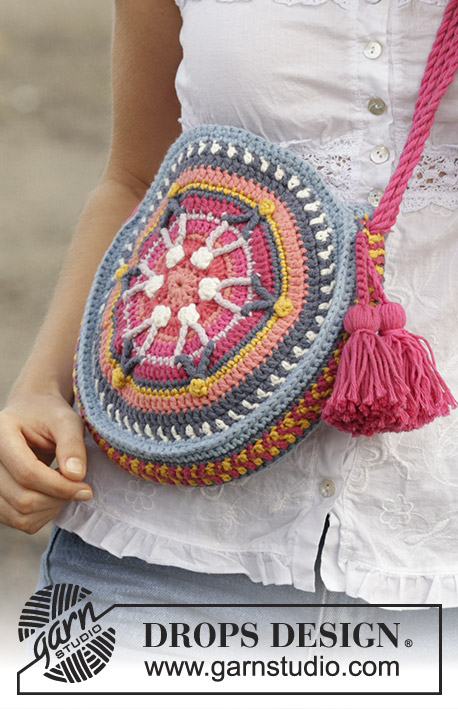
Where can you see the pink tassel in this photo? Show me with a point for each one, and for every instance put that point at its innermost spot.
(370, 393)
(428, 395)
(387, 378)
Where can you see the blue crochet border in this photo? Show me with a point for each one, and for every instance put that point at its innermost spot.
(342, 219)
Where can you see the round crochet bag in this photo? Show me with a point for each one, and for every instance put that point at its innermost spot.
(218, 329)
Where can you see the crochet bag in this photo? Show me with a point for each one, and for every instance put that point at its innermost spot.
(242, 302)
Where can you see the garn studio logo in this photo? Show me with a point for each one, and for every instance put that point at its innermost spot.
(67, 632)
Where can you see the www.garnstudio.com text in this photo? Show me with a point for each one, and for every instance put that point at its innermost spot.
(218, 670)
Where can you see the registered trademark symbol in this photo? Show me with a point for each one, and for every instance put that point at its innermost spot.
(408, 642)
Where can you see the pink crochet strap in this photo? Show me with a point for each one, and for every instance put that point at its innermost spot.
(387, 378)
(440, 69)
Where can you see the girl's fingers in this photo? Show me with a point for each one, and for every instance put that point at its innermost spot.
(68, 433)
(23, 500)
(30, 521)
(29, 472)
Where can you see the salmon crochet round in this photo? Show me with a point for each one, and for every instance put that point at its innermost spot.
(213, 326)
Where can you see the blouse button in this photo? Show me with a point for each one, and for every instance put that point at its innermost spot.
(375, 196)
(376, 106)
(372, 49)
(380, 154)
(327, 488)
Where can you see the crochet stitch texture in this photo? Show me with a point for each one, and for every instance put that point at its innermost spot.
(201, 348)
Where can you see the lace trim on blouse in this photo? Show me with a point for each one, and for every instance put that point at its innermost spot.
(434, 179)
(337, 162)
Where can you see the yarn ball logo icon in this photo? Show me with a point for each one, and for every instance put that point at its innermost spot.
(60, 623)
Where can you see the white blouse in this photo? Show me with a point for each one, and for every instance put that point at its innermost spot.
(332, 80)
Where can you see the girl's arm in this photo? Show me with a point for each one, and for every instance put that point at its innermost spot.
(38, 423)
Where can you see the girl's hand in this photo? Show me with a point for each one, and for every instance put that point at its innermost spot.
(35, 427)
(37, 423)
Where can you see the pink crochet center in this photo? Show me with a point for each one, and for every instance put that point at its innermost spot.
(181, 287)
(297, 289)
(166, 337)
(213, 317)
(290, 236)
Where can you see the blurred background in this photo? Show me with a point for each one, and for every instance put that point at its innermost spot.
(55, 130)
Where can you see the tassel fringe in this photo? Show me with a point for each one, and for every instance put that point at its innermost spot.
(387, 378)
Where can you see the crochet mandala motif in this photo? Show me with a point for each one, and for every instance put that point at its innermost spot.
(201, 349)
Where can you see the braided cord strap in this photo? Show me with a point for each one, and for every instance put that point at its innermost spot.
(387, 378)
(440, 69)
